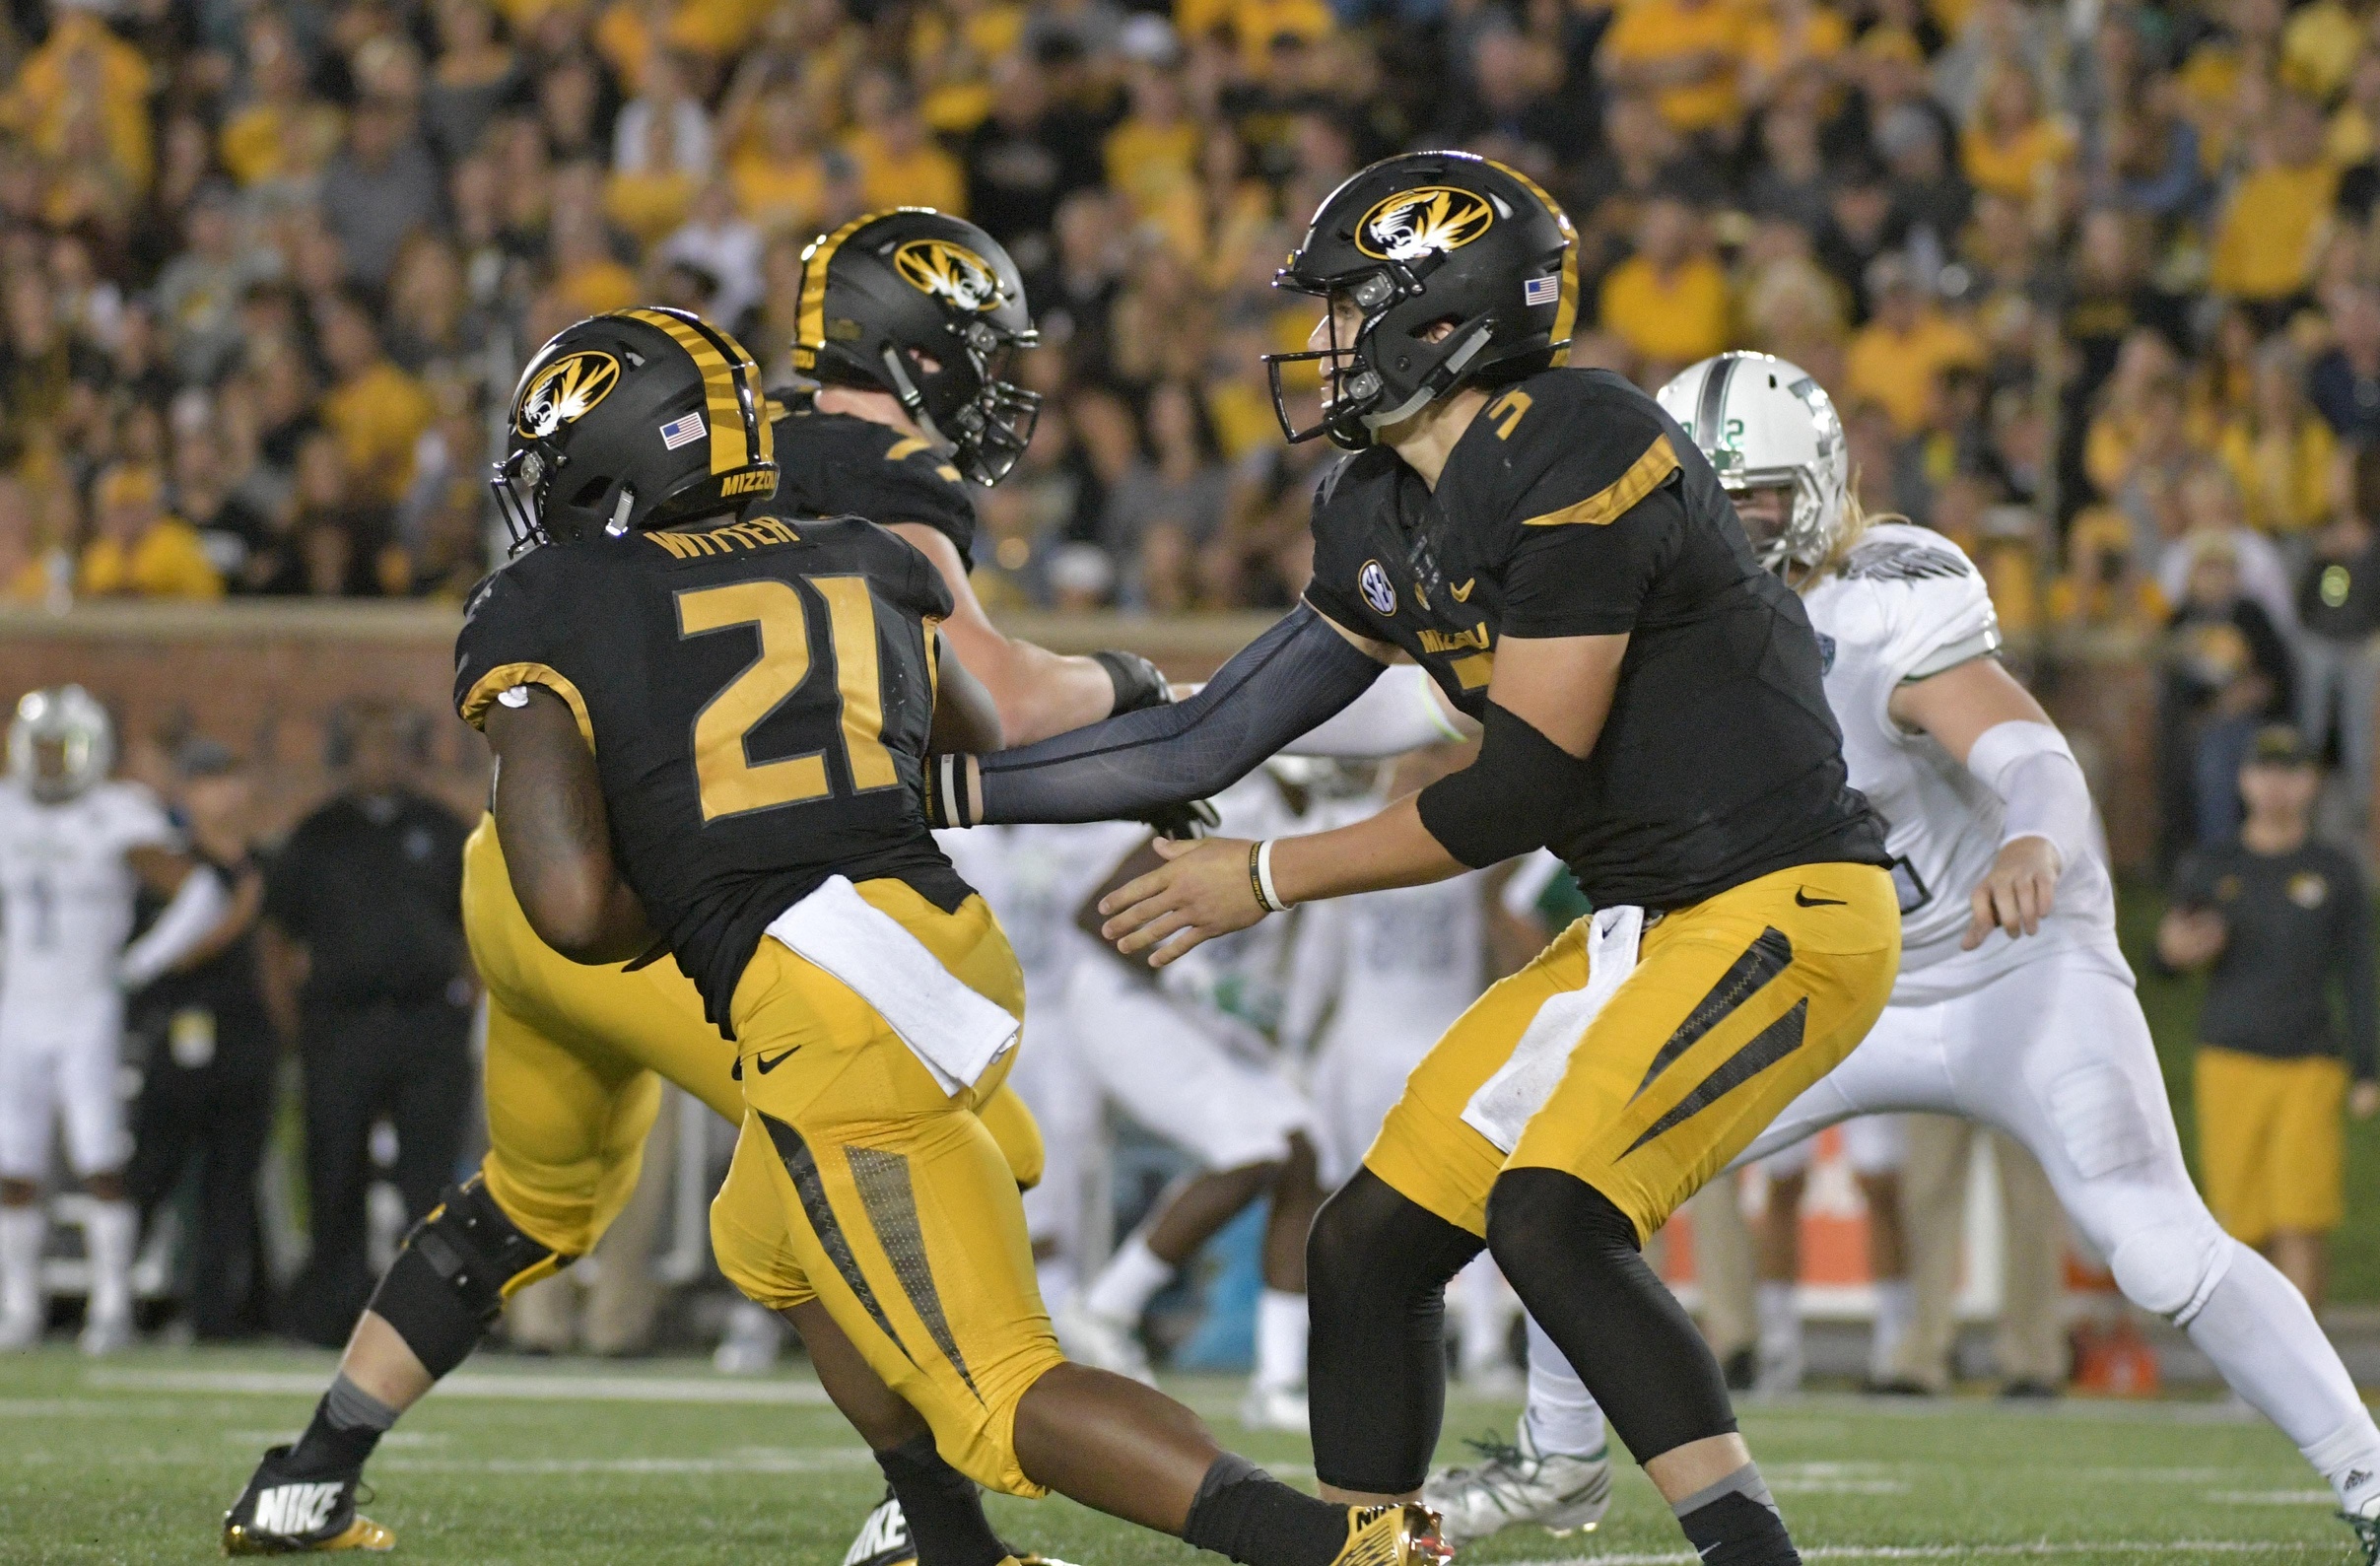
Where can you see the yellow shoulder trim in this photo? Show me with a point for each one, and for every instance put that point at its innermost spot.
(489, 686)
(1608, 505)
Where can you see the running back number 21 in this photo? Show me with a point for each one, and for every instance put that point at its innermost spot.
(730, 780)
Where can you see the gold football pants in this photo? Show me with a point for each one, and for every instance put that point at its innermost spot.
(1735, 1007)
(576, 1058)
(859, 1183)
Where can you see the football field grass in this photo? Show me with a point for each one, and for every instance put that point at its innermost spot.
(534, 1461)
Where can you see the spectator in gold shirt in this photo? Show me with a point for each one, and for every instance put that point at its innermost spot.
(1897, 357)
(376, 410)
(1688, 53)
(136, 549)
(1668, 302)
(2271, 229)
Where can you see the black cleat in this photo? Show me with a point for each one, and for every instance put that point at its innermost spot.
(279, 1514)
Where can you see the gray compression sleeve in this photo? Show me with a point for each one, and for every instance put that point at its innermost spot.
(1275, 688)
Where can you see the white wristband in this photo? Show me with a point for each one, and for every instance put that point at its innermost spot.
(1266, 894)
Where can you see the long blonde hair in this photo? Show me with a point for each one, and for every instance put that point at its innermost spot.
(1856, 522)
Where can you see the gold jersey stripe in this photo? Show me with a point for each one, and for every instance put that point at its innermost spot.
(1566, 305)
(1609, 504)
(723, 408)
(810, 313)
(502, 678)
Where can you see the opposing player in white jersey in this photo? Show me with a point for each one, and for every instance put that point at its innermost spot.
(75, 849)
(1185, 1054)
(2014, 1006)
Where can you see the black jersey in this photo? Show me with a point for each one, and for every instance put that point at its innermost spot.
(833, 464)
(2297, 932)
(758, 695)
(1574, 506)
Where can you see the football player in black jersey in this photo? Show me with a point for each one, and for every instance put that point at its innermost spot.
(1552, 548)
(908, 324)
(575, 1055)
(709, 735)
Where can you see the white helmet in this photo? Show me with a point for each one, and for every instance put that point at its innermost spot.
(1765, 424)
(72, 719)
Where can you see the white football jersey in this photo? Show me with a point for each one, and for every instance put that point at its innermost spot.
(1404, 962)
(1906, 605)
(65, 891)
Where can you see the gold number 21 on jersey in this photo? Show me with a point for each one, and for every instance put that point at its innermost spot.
(730, 782)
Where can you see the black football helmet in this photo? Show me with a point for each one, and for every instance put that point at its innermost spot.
(1413, 241)
(930, 309)
(634, 420)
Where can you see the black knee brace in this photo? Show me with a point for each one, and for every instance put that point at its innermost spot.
(1377, 1265)
(1573, 1257)
(450, 1281)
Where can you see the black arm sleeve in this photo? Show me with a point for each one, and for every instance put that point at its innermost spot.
(1275, 688)
(1511, 800)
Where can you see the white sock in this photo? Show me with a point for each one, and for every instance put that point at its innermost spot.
(22, 1231)
(1779, 1322)
(1280, 1339)
(1562, 1414)
(1895, 1309)
(107, 1236)
(1129, 1280)
(2256, 1328)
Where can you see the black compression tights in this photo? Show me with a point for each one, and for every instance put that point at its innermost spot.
(1377, 1265)
(1574, 1259)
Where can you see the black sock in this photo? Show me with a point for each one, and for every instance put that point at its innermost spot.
(348, 1423)
(1247, 1514)
(945, 1510)
(1735, 1523)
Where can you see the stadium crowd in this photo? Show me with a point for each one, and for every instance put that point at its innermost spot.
(2096, 287)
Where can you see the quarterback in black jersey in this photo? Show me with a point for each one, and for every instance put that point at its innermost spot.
(710, 733)
(1551, 546)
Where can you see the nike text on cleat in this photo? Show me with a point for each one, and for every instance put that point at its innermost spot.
(279, 1514)
(1393, 1536)
(883, 1538)
(1519, 1484)
(1803, 899)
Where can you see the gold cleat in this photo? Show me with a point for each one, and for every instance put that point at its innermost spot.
(1397, 1535)
(361, 1533)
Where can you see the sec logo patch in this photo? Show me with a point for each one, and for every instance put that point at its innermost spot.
(1378, 590)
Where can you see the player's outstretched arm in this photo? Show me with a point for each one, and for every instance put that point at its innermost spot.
(965, 715)
(1038, 693)
(1546, 705)
(1280, 685)
(551, 820)
(1993, 726)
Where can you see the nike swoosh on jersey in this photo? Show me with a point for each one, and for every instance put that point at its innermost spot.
(766, 1063)
(1801, 899)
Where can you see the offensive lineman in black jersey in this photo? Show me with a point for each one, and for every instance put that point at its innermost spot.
(1553, 549)
(576, 1053)
(710, 736)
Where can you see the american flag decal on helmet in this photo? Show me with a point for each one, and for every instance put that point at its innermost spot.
(1541, 291)
(679, 431)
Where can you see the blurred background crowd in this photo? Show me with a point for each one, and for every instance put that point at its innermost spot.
(2094, 286)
